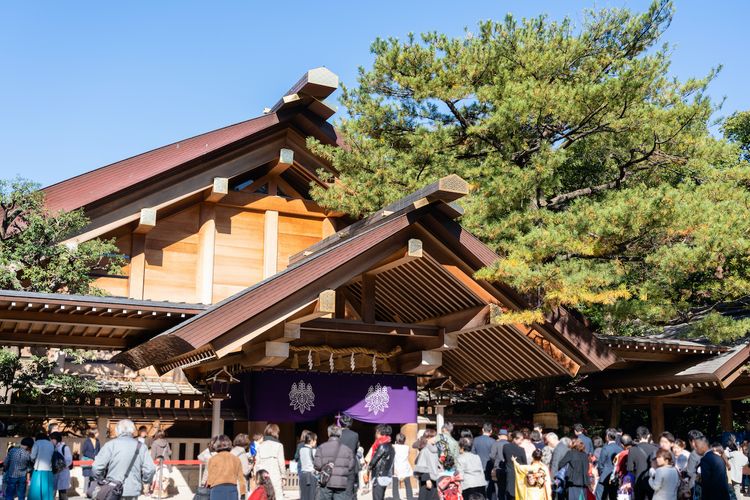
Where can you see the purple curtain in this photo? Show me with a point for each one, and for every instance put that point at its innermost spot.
(299, 396)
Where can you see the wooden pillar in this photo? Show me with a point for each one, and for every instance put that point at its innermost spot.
(270, 243)
(368, 298)
(657, 416)
(217, 426)
(615, 410)
(726, 416)
(411, 431)
(102, 425)
(204, 287)
(440, 417)
(137, 266)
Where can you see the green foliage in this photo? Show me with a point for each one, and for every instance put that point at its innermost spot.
(593, 173)
(737, 129)
(31, 256)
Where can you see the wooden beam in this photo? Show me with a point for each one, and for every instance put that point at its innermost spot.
(206, 249)
(329, 227)
(38, 339)
(270, 243)
(420, 362)
(137, 277)
(726, 416)
(317, 83)
(266, 354)
(219, 189)
(286, 159)
(325, 306)
(262, 202)
(63, 319)
(368, 298)
(146, 221)
(340, 308)
(413, 251)
(345, 326)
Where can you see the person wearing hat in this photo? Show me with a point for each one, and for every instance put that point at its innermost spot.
(496, 456)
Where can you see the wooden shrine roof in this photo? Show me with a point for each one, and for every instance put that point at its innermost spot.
(713, 371)
(303, 97)
(412, 294)
(61, 320)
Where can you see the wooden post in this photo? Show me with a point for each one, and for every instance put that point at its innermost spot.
(726, 416)
(411, 431)
(440, 417)
(216, 423)
(137, 266)
(270, 243)
(615, 410)
(102, 425)
(657, 416)
(206, 244)
(368, 298)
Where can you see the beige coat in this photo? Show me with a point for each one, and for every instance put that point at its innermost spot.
(270, 456)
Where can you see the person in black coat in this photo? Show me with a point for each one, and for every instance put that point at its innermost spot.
(713, 472)
(350, 439)
(89, 449)
(381, 463)
(606, 489)
(510, 450)
(640, 457)
(577, 473)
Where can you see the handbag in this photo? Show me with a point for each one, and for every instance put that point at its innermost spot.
(111, 489)
(202, 493)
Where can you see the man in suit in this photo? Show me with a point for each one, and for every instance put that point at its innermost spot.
(482, 446)
(640, 456)
(605, 488)
(694, 458)
(511, 450)
(498, 462)
(580, 433)
(350, 439)
(714, 484)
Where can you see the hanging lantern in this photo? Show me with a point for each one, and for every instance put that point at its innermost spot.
(295, 361)
(309, 360)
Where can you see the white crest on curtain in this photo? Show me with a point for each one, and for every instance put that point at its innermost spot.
(301, 397)
(377, 399)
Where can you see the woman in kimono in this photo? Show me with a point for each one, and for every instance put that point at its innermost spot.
(533, 480)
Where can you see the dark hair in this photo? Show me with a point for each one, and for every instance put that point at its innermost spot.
(310, 437)
(694, 434)
(536, 436)
(263, 478)
(42, 436)
(515, 435)
(536, 454)
(578, 428)
(345, 421)
(242, 440)
(400, 438)
(303, 436)
(538, 425)
(680, 443)
(666, 455)
(668, 436)
(272, 430)
(160, 434)
(142, 428)
(487, 427)
(221, 443)
(475, 496)
(611, 434)
(525, 432)
(56, 436)
(27, 442)
(466, 433)
(626, 440)
(384, 430)
(426, 435)
(91, 433)
(642, 432)
(597, 441)
(578, 445)
(465, 443)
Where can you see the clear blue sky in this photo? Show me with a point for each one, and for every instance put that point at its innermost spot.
(85, 84)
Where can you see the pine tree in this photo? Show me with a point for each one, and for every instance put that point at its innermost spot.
(594, 174)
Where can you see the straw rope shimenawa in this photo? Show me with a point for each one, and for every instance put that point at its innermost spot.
(337, 351)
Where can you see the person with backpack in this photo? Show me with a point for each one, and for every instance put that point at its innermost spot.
(42, 485)
(62, 461)
(123, 464)
(335, 464)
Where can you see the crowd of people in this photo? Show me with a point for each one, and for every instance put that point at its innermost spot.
(498, 464)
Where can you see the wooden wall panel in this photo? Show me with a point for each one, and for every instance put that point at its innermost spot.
(117, 286)
(172, 258)
(296, 234)
(238, 262)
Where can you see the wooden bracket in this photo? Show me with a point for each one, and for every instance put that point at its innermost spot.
(266, 354)
(420, 362)
(219, 189)
(147, 221)
(325, 307)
